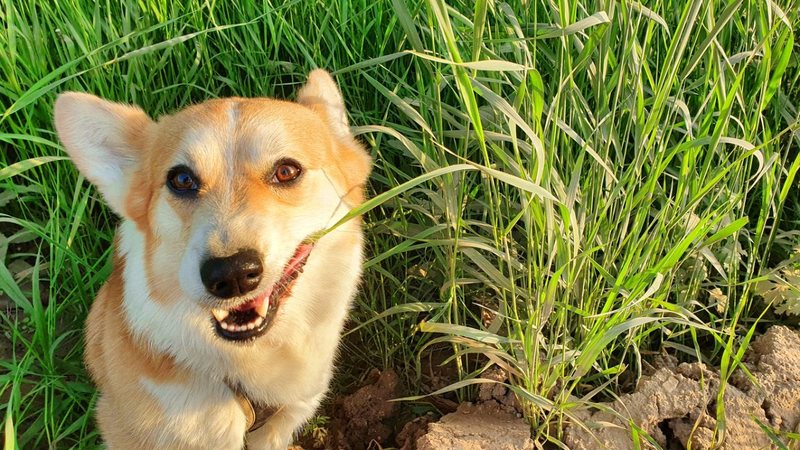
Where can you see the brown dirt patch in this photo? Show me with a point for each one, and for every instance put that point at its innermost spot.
(675, 404)
(493, 422)
(364, 418)
(678, 406)
(482, 426)
(407, 437)
(774, 361)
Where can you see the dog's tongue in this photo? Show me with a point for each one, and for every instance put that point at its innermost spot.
(301, 253)
(257, 303)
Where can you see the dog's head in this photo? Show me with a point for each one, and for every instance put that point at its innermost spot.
(225, 193)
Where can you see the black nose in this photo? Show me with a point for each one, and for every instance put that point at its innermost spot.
(232, 275)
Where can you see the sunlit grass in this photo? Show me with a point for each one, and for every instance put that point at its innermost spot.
(600, 169)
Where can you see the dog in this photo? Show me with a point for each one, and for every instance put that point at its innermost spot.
(219, 324)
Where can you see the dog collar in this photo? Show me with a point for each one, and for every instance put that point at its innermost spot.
(256, 413)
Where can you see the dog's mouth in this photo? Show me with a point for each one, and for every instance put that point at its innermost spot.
(253, 318)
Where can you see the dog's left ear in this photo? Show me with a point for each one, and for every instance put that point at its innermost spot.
(321, 95)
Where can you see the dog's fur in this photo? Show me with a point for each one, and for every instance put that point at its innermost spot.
(162, 371)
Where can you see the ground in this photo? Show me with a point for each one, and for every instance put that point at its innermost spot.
(675, 405)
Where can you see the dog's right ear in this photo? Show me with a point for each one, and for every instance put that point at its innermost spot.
(105, 141)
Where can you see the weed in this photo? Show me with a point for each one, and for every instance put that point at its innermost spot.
(561, 186)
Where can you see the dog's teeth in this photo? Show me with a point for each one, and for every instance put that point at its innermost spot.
(262, 309)
(251, 325)
(223, 325)
(259, 320)
(220, 314)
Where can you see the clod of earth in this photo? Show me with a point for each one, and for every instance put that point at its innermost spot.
(478, 427)
(498, 393)
(677, 406)
(407, 437)
(494, 422)
(774, 360)
(364, 417)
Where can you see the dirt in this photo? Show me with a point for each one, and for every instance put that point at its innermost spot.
(368, 419)
(438, 371)
(677, 405)
(481, 426)
(774, 360)
(365, 418)
(412, 431)
(494, 422)
(497, 395)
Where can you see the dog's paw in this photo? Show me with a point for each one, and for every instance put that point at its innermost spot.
(278, 431)
(269, 439)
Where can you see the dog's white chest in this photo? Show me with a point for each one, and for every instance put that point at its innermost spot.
(197, 415)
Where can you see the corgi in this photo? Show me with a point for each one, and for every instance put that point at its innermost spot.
(219, 324)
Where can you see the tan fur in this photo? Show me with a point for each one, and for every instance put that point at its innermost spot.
(150, 347)
(110, 347)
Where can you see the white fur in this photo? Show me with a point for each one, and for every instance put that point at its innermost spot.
(197, 415)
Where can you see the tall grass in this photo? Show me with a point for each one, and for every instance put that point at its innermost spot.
(601, 167)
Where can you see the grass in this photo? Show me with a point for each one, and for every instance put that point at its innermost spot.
(579, 178)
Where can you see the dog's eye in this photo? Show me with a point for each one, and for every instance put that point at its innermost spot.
(182, 181)
(286, 171)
